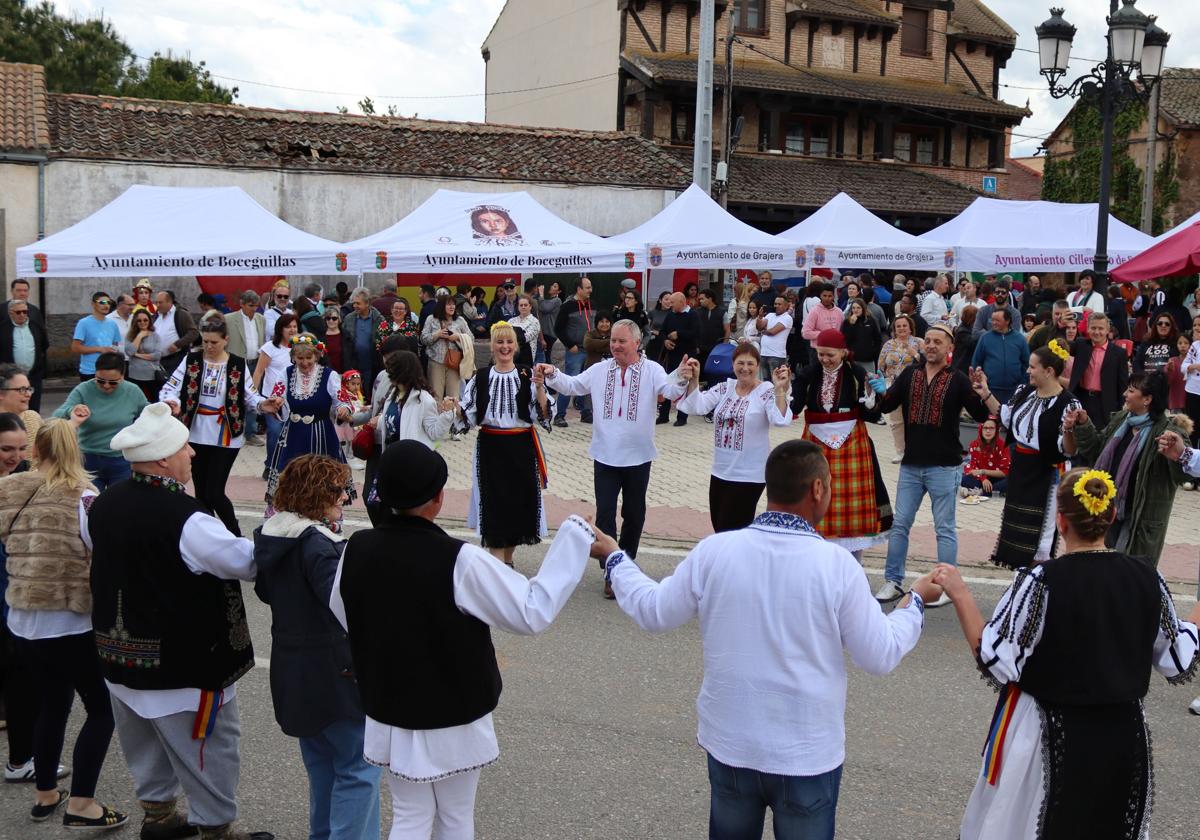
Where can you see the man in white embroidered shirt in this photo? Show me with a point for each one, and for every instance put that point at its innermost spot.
(624, 390)
(777, 605)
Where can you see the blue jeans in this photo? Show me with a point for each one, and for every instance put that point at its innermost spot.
(343, 789)
(572, 366)
(941, 483)
(802, 807)
(999, 485)
(274, 427)
(107, 469)
(251, 425)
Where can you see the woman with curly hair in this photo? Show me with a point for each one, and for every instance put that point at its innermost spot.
(310, 404)
(297, 553)
(401, 323)
(1070, 648)
(1035, 421)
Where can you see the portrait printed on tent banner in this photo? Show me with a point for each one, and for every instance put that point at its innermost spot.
(655, 256)
(492, 224)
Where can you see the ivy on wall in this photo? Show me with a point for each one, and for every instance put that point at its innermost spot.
(1075, 176)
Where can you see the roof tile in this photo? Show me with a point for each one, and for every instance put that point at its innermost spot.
(972, 17)
(856, 10)
(1180, 95)
(23, 124)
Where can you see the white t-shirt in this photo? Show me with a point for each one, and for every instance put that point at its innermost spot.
(776, 345)
(280, 358)
(1191, 382)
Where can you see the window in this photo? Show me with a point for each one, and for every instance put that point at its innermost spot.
(914, 144)
(914, 32)
(751, 17)
(683, 117)
(805, 135)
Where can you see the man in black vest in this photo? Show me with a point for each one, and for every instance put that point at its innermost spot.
(422, 618)
(171, 633)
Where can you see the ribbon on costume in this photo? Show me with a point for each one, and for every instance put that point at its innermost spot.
(993, 748)
(538, 453)
(204, 411)
(206, 717)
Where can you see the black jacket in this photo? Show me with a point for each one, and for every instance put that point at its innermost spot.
(686, 327)
(41, 344)
(863, 340)
(312, 680)
(711, 327)
(1114, 374)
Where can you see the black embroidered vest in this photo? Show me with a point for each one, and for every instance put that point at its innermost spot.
(235, 378)
(158, 624)
(1049, 423)
(421, 663)
(483, 393)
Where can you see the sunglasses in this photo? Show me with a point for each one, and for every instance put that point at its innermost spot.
(281, 297)
(333, 319)
(108, 383)
(104, 302)
(1163, 324)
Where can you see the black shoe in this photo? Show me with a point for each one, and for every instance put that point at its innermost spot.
(708, 418)
(266, 474)
(41, 813)
(662, 420)
(560, 422)
(107, 820)
(586, 419)
(680, 421)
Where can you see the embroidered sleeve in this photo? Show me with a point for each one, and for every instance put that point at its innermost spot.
(467, 405)
(1073, 405)
(1014, 630)
(1175, 649)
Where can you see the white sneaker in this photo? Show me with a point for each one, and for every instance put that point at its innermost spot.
(888, 592)
(1195, 707)
(1187, 485)
(898, 457)
(26, 772)
(941, 601)
(356, 464)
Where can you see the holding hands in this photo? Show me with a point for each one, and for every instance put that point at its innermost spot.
(79, 414)
(979, 382)
(1078, 417)
(877, 383)
(948, 579)
(447, 404)
(781, 377)
(1171, 445)
(544, 371)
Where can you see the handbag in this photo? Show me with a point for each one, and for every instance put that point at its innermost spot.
(363, 445)
(454, 357)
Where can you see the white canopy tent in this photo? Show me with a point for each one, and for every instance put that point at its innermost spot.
(693, 231)
(996, 235)
(1184, 225)
(171, 231)
(844, 234)
(468, 233)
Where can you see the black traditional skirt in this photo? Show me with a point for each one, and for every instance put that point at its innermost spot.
(1027, 507)
(509, 477)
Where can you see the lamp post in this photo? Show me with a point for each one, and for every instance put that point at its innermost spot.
(1136, 48)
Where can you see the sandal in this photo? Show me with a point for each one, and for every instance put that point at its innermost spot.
(108, 819)
(41, 813)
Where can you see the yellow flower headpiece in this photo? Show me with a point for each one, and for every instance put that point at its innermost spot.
(308, 340)
(1057, 348)
(499, 324)
(1095, 505)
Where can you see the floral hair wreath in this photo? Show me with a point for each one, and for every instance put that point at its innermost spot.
(1057, 348)
(308, 340)
(499, 324)
(1095, 505)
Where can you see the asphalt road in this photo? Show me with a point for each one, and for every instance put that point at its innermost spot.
(597, 730)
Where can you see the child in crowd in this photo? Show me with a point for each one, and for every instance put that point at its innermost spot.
(351, 393)
(1177, 396)
(595, 342)
(987, 471)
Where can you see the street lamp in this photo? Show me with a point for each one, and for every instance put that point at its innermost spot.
(1136, 47)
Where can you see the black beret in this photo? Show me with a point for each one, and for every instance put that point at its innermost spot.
(410, 474)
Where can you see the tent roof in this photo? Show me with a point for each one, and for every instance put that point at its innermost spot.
(443, 235)
(1176, 254)
(693, 231)
(172, 231)
(850, 235)
(995, 234)
(1186, 223)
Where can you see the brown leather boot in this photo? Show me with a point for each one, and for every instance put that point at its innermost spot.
(164, 821)
(230, 831)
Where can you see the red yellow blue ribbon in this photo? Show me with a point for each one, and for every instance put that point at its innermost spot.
(219, 413)
(993, 748)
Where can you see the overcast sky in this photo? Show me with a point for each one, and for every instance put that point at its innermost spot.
(423, 55)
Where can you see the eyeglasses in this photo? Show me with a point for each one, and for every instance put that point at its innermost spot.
(18, 312)
(333, 319)
(108, 383)
(24, 389)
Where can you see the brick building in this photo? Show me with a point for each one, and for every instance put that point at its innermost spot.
(907, 91)
(1178, 139)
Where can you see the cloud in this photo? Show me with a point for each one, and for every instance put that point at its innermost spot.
(315, 56)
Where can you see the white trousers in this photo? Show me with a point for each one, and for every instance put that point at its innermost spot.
(444, 809)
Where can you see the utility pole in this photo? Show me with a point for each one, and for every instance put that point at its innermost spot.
(702, 143)
(727, 111)
(1151, 162)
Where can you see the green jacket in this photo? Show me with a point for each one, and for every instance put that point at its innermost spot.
(1157, 478)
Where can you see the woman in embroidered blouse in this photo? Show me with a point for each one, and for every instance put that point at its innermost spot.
(899, 352)
(510, 470)
(743, 411)
(401, 323)
(1070, 647)
(210, 392)
(1034, 419)
(310, 404)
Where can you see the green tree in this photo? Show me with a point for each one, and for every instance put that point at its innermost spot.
(89, 56)
(171, 77)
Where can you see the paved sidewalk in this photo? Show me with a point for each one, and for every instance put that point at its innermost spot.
(678, 495)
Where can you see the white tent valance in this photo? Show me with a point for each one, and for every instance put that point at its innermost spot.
(170, 231)
(693, 231)
(996, 235)
(844, 234)
(467, 233)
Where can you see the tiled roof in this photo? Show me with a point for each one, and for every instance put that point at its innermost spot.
(1180, 95)
(865, 87)
(792, 180)
(23, 126)
(1024, 182)
(972, 17)
(864, 11)
(111, 128)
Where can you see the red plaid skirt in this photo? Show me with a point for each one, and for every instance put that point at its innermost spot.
(854, 508)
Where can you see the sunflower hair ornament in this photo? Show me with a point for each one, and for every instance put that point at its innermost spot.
(307, 340)
(1057, 348)
(498, 325)
(1095, 505)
